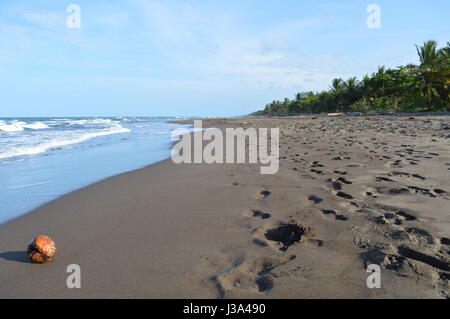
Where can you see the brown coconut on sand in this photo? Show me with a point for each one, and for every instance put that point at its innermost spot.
(41, 249)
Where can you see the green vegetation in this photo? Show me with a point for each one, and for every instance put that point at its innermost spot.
(423, 87)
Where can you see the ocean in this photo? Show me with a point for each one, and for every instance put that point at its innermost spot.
(42, 159)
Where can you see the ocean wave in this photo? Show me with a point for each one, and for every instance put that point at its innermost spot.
(14, 126)
(18, 126)
(21, 137)
(59, 141)
(36, 126)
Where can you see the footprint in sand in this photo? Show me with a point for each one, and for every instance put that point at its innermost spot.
(383, 179)
(369, 194)
(319, 172)
(344, 180)
(315, 199)
(259, 242)
(399, 174)
(243, 274)
(421, 191)
(344, 195)
(336, 215)
(286, 235)
(393, 191)
(439, 191)
(260, 214)
(406, 216)
(316, 164)
(420, 235)
(388, 219)
(335, 184)
(282, 235)
(264, 283)
(265, 194)
(408, 252)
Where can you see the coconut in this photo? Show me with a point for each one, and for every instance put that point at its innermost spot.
(41, 249)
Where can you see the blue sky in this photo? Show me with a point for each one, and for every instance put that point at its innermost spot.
(199, 58)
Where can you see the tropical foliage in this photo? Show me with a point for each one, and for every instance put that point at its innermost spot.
(423, 87)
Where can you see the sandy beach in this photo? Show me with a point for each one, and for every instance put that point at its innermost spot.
(353, 190)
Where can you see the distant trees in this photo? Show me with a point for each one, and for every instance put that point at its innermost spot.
(337, 88)
(433, 74)
(422, 87)
(351, 92)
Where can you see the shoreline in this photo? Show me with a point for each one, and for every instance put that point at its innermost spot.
(194, 234)
(34, 180)
(219, 122)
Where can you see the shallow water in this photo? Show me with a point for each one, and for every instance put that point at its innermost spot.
(44, 158)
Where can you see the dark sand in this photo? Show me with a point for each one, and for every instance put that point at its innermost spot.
(205, 231)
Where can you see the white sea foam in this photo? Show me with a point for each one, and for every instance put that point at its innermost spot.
(28, 185)
(36, 126)
(26, 138)
(18, 126)
(14, 126)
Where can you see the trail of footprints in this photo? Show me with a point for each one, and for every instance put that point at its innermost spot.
(400, 243)
(413, 247)
(256, 276)
(414, 244)
(281, 236)
(247, 275)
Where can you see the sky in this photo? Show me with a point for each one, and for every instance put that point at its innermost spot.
(196, 58)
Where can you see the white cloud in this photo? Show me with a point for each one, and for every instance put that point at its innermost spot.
(34, 25)
(43, 19)
(262, 58)
(212, 43)
(112, 18)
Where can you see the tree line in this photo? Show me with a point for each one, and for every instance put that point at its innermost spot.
(423, 87)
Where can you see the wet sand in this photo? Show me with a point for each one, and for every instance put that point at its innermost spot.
(350, 192)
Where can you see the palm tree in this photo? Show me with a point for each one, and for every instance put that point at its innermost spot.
(409, 87)
(337, 88)
(433, 72)
(427, 53)
(443, 74)
(351, 87)
(351, 83)
(366, 85)
(382, 78)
